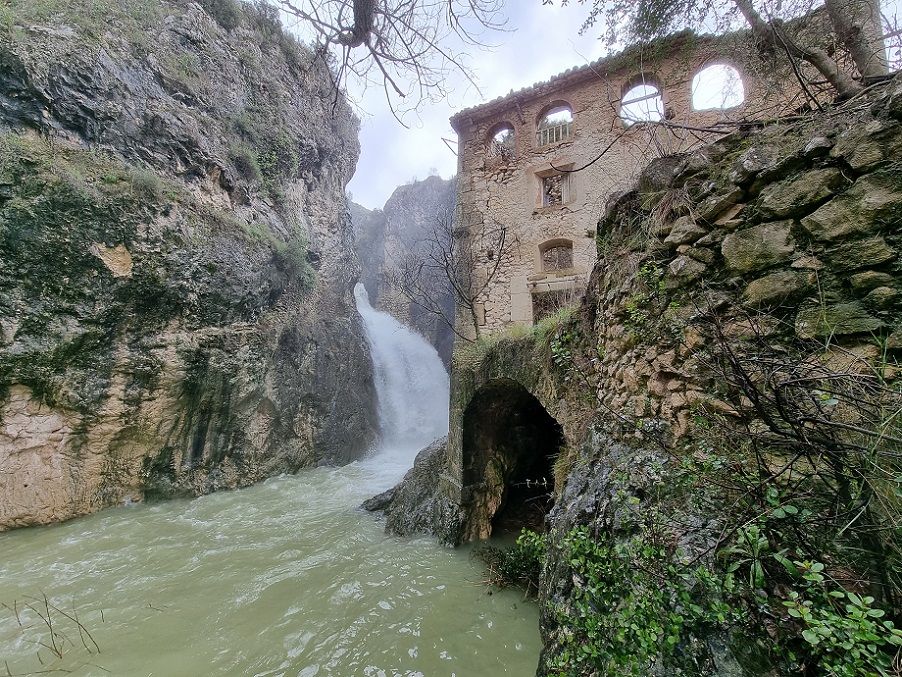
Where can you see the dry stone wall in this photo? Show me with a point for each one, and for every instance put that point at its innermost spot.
(503, 190)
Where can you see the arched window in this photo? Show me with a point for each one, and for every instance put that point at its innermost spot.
(555, 125)
(556, 255)
(717, 87)
(502, 143)
(641, 103)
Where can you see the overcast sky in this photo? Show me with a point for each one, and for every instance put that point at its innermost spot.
(540, 41)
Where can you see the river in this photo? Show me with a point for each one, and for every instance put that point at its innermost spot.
(288, 577)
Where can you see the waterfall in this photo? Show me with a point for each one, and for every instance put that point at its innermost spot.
(412, 387)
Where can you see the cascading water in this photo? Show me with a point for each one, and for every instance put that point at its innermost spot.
(411, 384)
(284, 578)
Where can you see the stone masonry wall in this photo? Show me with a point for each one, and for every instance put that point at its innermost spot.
(495, 193)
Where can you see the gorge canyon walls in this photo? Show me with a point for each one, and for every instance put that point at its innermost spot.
(176, 257)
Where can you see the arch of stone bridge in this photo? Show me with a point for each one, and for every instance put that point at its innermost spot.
(508, 443)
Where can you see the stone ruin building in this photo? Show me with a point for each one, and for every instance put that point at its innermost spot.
(536, 168)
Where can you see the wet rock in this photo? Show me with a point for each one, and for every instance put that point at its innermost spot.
(417, 505)
(758, 247)
(179, 339)
(840, 319)
(874, 202)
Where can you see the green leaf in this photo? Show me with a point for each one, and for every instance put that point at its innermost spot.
(789, 566)
(811, 637)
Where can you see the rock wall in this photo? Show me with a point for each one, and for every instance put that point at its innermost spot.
(506, 190)
(414, 222)
(727, 273)
(176, 257)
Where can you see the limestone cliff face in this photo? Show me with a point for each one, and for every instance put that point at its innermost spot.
(414, 221)
(176, 257)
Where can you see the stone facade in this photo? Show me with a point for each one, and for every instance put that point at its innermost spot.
(545, 188)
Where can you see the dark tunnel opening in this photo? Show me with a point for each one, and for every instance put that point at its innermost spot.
(510, 444)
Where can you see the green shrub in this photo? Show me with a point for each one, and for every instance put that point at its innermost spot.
(520, 565)
(227, 13)
(245, 161)
(147, 184)
(843, 633)
(292, 258)
(632, 608)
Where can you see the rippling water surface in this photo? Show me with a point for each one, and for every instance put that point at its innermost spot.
(286, 578)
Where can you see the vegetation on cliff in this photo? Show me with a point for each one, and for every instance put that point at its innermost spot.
(173, 230)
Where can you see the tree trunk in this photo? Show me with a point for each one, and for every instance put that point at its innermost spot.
(857, 24)
(364, 22)
(771, 34)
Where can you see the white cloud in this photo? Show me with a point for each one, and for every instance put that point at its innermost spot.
(540, 41)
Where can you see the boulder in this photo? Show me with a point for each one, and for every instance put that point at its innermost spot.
(759, 247)
(417, 505)
(873, 203)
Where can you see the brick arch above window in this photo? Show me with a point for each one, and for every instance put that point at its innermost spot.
(556, 255)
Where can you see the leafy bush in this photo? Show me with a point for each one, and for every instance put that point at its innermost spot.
(227, 13)
(632, 609)
(843, 633)
(520, 565)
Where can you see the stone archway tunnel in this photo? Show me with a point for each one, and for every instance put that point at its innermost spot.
(509, 446)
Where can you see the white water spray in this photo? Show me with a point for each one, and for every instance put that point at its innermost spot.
(412, 386)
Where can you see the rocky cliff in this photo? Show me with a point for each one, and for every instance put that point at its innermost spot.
(725, 488)
(176, 256)
(415, 223)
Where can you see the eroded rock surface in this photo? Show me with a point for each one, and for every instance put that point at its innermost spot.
(176, 259)
(414, 224)
(416, 506)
